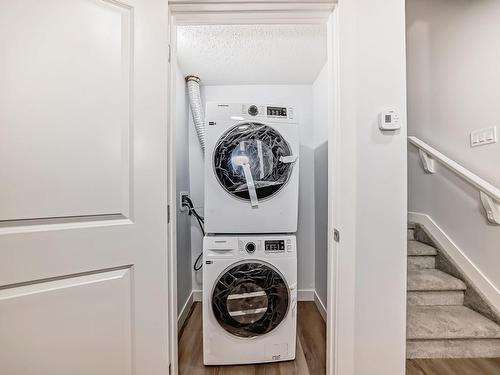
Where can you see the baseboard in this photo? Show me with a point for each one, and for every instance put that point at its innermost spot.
(197, 296)
(477, 278)
(184, 313)
(320, 306)
(305, 295)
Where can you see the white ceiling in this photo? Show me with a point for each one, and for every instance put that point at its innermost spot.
(252, 54)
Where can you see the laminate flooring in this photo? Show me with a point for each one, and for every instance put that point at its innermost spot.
(311, 353)
(310, 358)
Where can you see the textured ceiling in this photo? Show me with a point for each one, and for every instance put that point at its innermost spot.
(252, 54)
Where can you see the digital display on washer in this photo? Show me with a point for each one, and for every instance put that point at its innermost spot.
(276, 111)
(274, 245)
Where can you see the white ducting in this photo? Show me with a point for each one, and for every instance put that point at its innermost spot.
(193, 86)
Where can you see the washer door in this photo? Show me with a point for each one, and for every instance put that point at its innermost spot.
(250, 299)
(252, 161)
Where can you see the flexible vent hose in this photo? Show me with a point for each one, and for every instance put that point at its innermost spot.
(193, 86)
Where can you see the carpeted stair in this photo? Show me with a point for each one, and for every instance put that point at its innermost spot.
(439, 325)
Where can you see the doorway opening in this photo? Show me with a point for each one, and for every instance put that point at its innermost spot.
(274, 66)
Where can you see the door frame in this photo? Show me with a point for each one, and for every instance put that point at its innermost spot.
(339, 308)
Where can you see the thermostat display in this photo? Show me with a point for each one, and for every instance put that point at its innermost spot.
(389, 120)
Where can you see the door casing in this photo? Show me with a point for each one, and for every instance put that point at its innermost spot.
(234, 12)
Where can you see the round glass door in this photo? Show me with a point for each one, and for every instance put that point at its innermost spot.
(262, 150)
(250, 299)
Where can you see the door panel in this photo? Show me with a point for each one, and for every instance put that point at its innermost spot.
(64, 108)
(83, 322)
(83, 151)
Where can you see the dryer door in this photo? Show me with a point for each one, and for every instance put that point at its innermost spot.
(250, 299)
(252, 161)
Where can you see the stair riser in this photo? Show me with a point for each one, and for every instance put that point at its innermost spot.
(432, 280)
(469, 348)
(421, 262)
(415, 248)
(445, 298)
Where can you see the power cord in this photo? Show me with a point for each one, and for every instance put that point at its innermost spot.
(188, 203)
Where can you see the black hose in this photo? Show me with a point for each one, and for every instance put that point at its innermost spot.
(187, 202)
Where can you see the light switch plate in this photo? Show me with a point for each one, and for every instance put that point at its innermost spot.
(483, 137)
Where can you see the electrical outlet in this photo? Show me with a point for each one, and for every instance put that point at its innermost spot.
(183, 194)
(483, 137)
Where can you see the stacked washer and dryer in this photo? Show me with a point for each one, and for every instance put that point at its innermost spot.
(250, 251)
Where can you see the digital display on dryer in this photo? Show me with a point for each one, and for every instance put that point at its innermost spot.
(276, 111)
(274, 245)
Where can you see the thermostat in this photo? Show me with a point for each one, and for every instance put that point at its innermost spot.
(389, 120)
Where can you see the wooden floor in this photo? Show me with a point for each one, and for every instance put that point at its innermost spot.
(475, 366)
(311, 348)
(311, 353)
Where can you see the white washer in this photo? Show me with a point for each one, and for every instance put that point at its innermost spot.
(249, 299)
(251, 168)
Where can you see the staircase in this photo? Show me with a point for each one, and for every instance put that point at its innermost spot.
(438, 324)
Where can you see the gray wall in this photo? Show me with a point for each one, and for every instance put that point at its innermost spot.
(321, 221)
(182, 178)
(453, 88)
(320, 120)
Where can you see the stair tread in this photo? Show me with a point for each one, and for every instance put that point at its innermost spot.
(416, 248)
(432, 279)
(449, 322)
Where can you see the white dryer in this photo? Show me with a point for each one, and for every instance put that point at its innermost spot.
(251, 168)
(249, 299)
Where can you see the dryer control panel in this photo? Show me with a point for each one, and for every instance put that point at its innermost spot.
(277, 112)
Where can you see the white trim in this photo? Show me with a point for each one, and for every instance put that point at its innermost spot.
(477, 278)
(172, 207)
(248, 11)
(342, 179)
(320, 306)
(181, 318)
(281, 15)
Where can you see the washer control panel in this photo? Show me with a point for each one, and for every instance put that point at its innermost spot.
(250, 247)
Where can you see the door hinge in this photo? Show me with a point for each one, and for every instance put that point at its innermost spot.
(336, 235)
(169, 53)
(168, 213)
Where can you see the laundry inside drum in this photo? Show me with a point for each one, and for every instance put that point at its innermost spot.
(247, 303)
(260, 147)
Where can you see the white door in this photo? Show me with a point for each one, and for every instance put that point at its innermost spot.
(83, 187)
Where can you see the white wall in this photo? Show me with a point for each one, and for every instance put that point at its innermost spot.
(299, 96)
(371, 198)
(184, 284)
(320, 121)
(453, 88)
